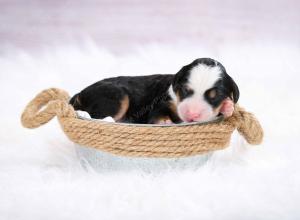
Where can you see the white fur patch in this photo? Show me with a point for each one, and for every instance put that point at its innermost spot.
(202, 78)
(83, 114)
(172, 94)
(86, 115)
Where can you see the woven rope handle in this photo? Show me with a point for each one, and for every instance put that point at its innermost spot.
(54, 101)
(247, 125)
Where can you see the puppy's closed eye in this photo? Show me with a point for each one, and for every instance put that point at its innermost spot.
(184, 92)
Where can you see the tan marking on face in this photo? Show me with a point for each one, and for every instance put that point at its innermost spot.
(124, 105)
(212, 93)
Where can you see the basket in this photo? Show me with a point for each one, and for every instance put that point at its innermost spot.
(140, 140)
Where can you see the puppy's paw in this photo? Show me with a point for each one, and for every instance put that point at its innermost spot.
(227, 108)
(164, 121)
(83, 114)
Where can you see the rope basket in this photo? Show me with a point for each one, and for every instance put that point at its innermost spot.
(166, 141)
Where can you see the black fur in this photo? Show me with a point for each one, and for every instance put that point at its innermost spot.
(147, 97)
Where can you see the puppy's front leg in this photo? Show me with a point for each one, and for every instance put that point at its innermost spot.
(160, 119)
(160, 115)
(163, 121)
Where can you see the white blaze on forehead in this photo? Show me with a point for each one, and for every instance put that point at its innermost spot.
(203, 77)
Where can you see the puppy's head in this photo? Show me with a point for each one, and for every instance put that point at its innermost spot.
(201, 88)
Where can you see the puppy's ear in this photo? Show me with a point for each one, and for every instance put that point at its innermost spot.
(234, 89)
(175, 83)
(179, 78)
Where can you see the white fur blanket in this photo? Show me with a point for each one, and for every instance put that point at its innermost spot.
(42, 178)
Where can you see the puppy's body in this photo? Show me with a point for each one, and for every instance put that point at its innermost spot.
(134, 99)
(199, 91)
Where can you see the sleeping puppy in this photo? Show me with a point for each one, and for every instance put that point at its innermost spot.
(200, 91)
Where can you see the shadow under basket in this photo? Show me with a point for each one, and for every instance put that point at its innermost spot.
(138, 140)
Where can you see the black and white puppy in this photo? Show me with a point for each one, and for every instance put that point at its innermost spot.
(200, 91)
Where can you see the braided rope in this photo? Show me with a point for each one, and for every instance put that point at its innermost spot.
(139, 141)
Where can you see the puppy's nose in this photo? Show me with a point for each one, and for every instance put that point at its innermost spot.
(193, 116)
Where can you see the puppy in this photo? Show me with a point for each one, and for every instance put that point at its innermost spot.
(200, 91)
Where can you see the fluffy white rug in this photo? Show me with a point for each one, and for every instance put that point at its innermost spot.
(41, 177)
